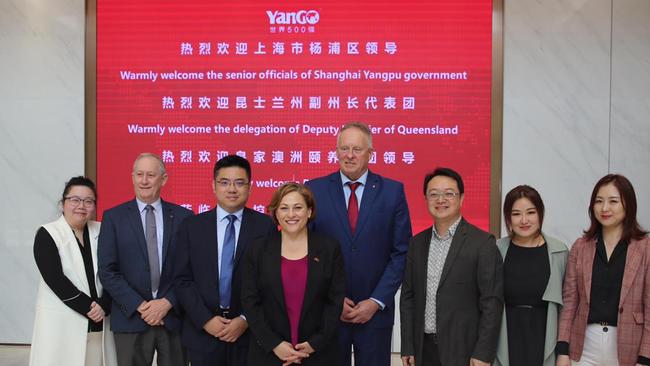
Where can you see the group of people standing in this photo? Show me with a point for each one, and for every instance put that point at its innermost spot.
(314, 281)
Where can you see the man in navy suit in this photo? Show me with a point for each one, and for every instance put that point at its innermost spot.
(136, 265)
(208, 277)
(368, 215)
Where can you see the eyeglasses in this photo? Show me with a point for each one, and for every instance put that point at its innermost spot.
(355, 150)
(76, 201)
(238, 183)
(448, 196)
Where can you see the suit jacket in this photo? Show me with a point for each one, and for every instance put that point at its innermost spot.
(633, 330)
(375, 254)
(197, 273)
(557, 255)
(124, 264)
(265, 309)
(469, 297)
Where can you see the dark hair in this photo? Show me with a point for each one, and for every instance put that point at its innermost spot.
(232, 161)
(631, 227)
(522, 191)
(284, 190)
(78, 181)
(445, 172)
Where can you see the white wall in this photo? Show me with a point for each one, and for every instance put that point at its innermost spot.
(41, 139)
(576, 103)
(576, 106)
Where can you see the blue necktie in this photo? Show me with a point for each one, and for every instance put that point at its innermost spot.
(227, 262)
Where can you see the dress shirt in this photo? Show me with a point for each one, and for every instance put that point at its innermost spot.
(438, 250)
(157, 211)
(606, 283)
(222, 224)
(359, 191)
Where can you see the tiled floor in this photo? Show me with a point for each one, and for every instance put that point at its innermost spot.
(19, 356)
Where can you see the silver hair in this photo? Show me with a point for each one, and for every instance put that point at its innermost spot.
(163, 171)
(359, 126)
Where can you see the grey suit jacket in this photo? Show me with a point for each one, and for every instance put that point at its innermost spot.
(469, 298)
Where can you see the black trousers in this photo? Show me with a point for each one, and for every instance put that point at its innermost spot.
(430, 354)
(226, 354)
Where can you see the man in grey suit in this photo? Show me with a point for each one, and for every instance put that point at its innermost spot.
(136, 252)
(452, 293)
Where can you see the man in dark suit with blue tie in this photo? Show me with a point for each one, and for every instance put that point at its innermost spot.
(368, 215)
(136, 265)
(208, 277)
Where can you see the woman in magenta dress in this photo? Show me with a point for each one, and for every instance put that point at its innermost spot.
(294, 286)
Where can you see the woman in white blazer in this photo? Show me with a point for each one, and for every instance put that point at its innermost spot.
(71, 326)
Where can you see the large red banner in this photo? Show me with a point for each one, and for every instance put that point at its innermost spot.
(194, 81)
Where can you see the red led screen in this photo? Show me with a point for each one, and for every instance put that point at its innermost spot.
(274, 81)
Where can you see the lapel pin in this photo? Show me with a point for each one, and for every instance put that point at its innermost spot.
(316, 259)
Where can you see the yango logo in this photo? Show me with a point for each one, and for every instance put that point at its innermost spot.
(300, 17)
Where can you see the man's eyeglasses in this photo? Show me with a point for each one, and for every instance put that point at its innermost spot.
(448, 196)
(238, 183)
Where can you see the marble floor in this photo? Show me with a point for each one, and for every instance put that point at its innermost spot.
(19, 356)
(14, 355)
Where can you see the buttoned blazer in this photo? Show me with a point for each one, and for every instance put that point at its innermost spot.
(375, 254)
(633, 328)
(264, 303)
(557, 255)
(124, 264)
(469, 302)
(197, 272)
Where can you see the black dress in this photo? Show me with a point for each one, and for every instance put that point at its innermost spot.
(526, 272)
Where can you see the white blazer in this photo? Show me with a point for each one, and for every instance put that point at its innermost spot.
(60, 333)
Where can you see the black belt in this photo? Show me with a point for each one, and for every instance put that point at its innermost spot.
(605, 325)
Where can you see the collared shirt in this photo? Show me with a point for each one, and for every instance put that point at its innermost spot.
(157, 211)
(359, 191)
(222, 224)
(438, 250)
(606, 283)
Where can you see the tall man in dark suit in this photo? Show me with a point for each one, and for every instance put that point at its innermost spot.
(452, 294)
(136, 265)
(209, 274)
(368, 215)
